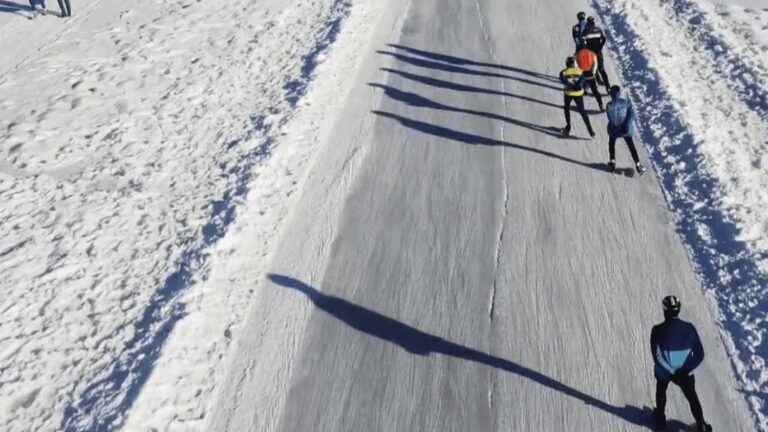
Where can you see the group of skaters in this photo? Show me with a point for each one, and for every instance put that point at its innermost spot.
(586, 69)
(39, 5)
(675, 345)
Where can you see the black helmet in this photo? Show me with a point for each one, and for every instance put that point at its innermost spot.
(570, 61)
(581, 16)
(671, 306)
(614, 91)
(591, 20)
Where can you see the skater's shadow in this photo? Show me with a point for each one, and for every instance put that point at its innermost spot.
(626, 172)
(12, 7)
(466, 62)
(452, 68)
(420, 343)
(415, 100)
(471, 139)
(450, 85)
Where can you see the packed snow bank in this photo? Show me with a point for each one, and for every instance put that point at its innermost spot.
(129, 140)
(701, 91)
(193, 368)
(747, 19)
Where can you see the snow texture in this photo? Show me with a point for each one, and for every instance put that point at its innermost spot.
(483, 273)
(130, 136)
(703, 101)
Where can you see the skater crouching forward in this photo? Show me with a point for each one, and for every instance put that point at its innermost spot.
(621, 124)
(677, 351)
(573, 80)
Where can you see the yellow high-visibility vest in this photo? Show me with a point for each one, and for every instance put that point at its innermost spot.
(572, 76)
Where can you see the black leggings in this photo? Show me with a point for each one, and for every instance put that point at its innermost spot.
(601, 69)
(66, 9)
(688, 385)
(595, 92)
(630, 144)
(579, 100)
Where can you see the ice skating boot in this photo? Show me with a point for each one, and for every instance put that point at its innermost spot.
(640, 168)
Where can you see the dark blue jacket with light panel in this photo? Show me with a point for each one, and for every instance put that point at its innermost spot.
(676, 348)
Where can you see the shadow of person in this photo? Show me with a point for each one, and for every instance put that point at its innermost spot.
(12, 7)
(463, 61)
(420, 343)
(446, 67)
(419, 101)
(471, 139)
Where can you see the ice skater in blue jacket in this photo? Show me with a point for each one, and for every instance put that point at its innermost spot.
(621, 124)
(677, 351)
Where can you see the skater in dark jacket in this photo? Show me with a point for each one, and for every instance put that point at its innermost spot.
(621, 124)
(579, 29)
(594, 39)
(677, 351)
(66, 9)
(573, 80)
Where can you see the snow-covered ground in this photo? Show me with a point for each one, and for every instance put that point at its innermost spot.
(747, 18)
(131, 135)
(699, 74)
(141, 140)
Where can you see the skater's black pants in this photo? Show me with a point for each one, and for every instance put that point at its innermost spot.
(601, 70)
(630, 144)
(66, 9)
(579, 101)
(595, 92)
(687, 384)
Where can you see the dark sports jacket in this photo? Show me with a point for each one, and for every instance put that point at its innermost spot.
(578, 33)
(676, 348)
(594, 38)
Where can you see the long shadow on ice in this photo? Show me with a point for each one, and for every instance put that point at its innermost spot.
(467, 138)
(467, 62)
(420, 343)
(447, 67)
(450, 85)
(419, 101)
(726, 266)
(12, 7)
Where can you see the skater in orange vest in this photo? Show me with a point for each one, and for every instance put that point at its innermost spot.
(587, 61)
